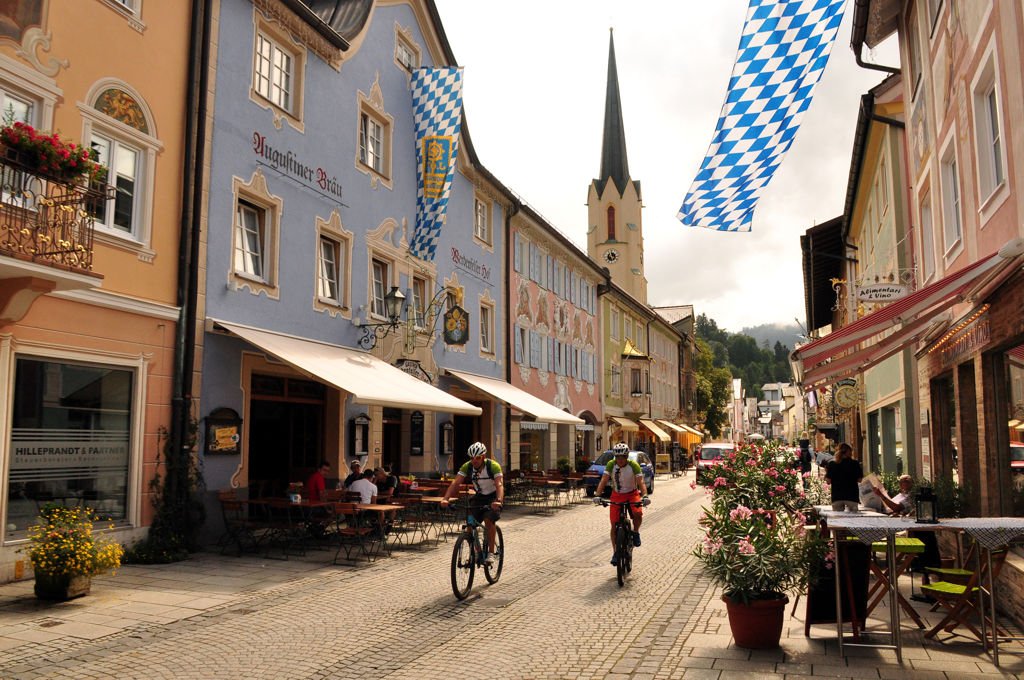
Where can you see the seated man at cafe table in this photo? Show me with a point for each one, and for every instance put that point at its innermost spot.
(902, 503)
(365, 487)
(316, 483)
(386, 483)
(357, 473)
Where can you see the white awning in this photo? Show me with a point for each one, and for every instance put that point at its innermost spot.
(671, 426)
(517, 398)
(368, 379)
(655, 430)
(626, 424)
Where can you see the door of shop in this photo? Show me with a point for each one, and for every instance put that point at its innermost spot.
(465, 434)
(391, 440)
(286, 422)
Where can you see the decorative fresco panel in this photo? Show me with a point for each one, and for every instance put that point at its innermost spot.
(121, 106)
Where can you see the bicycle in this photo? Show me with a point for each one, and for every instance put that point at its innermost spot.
(468, 555)
(623, 537)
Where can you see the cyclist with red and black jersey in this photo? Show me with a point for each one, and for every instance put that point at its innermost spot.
(627, 480)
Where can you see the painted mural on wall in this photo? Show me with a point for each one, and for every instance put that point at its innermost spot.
(17, 16)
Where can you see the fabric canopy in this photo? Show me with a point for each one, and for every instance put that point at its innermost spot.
(517, 398)
(368, 379)
(671, 426)
(655, 430)
(626, 424)
(910, 316)
(694, 430)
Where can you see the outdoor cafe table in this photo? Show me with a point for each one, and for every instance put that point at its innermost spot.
(383, 510)
(990, 533)
(869, 529)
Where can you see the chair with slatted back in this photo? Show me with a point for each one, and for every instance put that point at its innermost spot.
(352, 534)
(960, 601)
(239, 530)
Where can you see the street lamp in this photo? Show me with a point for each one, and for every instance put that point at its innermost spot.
(394, 302)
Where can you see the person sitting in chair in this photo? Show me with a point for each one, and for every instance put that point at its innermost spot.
(902, 503)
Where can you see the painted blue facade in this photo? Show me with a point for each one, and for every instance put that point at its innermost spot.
(376, 213)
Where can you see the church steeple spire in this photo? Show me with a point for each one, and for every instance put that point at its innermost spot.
(614, 163)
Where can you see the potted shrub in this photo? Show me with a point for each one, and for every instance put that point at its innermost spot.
(65, 553)
(50, 156)
(756, 545)
(563, 466)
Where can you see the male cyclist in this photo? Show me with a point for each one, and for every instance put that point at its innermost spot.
(627, 486)
(486, 504)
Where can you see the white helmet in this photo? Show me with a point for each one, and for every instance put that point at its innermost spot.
(621, 449)
(477, 449)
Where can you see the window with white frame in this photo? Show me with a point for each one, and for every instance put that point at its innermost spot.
(406, 54)
(486, 329)
(952, 224)
(616, 381)
(381, 272)
(635, 381)
(371, 143)
(273, 75)
(419, 301)
(331, 279)
(482, 219)
(615, 323)
(123, 163)
(250, 240)
(988, 133)
(15, 108)
(927, 237)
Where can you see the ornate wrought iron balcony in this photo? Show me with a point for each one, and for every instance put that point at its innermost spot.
(45, 219)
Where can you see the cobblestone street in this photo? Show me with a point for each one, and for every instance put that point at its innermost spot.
(556, 613)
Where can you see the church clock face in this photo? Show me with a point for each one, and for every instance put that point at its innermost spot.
(611, 256)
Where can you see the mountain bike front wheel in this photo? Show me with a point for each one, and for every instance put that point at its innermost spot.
(493, 573)
(622, 552)
(463, 566)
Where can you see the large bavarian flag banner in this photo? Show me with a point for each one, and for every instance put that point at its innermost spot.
(437, 115)
(782, 54)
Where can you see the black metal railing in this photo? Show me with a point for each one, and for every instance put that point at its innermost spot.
(47, 219)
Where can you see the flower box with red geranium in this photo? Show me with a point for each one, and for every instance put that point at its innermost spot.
(50, 156)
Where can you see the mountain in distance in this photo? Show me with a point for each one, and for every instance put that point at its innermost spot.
(787, 334)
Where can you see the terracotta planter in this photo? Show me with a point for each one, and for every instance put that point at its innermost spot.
(61, 588)
(757, 625)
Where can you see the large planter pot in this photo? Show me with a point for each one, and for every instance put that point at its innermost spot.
(757, 625)
(60, 588)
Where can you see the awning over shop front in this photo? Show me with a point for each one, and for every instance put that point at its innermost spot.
(693, 430)
(655, 430)
(517, 398)
(368, 379)
(671, 426)
(626, 424)
(907, 320)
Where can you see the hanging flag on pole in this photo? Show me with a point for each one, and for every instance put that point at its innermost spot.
(782, 54)
(437, 116)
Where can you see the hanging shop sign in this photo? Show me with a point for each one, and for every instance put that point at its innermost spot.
(881, 292)
(456, 326)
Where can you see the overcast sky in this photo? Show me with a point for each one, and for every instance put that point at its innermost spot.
(534, 86)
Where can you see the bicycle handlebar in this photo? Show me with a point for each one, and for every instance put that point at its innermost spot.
(605, 502)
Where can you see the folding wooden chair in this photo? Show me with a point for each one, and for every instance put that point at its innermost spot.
(906, 550)
(239, 530)
(961, 601)
(352, 535)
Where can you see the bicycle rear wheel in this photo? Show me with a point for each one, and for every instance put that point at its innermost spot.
(463, 567)
(492, 574)
(621, 537)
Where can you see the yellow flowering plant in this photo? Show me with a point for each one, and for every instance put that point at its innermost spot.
(63, 543)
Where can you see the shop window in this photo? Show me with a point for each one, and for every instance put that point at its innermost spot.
(70, 440)
(1011, 458)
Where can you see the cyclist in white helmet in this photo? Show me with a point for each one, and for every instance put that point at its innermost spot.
(487, 480)
(627, 478)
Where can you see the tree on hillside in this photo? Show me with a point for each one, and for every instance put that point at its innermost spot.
(714, 386)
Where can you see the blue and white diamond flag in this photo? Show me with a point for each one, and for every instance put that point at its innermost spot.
(782, 53)
(437, 116)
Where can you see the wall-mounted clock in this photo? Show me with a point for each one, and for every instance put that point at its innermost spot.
(846, 396)
(611, 255)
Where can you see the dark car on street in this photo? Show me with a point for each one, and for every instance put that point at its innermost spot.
(593, 475)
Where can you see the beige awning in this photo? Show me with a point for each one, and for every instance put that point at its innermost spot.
(517, 398)
(693, 431)
(626, 424)
(655, 430)
(671, 426)
(368, 379)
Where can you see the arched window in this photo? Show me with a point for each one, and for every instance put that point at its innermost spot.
(611, 223)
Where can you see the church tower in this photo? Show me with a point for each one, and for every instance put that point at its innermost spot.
(615, 236)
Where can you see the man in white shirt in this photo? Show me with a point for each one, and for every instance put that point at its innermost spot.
(902, 503)
(365, 487)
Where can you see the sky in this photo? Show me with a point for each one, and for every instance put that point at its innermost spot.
(535, 73)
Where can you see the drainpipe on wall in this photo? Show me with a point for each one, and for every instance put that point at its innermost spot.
(176, 485)
(510, 212)
(860, 28)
